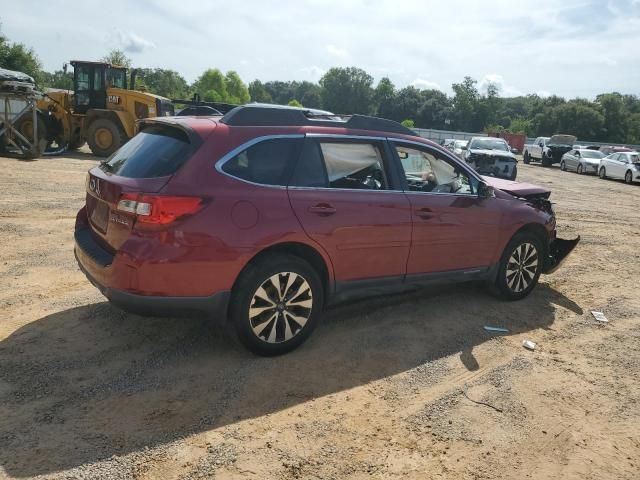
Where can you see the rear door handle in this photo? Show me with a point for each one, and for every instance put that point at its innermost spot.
(322, 209)
(425, 213)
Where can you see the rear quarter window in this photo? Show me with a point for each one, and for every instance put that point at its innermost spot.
(157, 151)
(269, 162)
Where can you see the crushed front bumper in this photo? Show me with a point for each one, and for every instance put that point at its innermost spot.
(559, 250)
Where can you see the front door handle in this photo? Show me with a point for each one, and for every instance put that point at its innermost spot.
(322, 209)
(425, 213)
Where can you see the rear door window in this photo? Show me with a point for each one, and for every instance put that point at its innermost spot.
(354, 165)
(157, 151)
(269, 162)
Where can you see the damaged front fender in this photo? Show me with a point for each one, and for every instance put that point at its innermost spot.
(559, 250)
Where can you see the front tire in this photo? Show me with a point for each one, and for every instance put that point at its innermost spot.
(563, 166)
(580, 169)
(526, 158)
(276, 304)
(104, 137)
(602, 173)
(546, 160)
(520, 266)
(514, 173)
(628, 177)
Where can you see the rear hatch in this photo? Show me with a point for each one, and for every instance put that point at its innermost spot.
(143, 165)
(562, 140)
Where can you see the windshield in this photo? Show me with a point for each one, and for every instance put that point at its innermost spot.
(157, 151)
(460, 143)
(116, 78)
(489, 144)
(635, 158)
(591, 154)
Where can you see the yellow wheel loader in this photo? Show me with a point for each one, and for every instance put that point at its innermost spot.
(101, 110)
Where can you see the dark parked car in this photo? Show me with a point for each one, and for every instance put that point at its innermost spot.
(492, 156)
(266, 215)
(199, 110)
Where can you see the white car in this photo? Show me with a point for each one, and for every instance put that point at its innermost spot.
(458, 147)
(581, 160)
(623, 166)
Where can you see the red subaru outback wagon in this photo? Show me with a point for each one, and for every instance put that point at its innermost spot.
(266, 214)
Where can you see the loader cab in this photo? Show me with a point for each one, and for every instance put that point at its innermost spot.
(91, 81)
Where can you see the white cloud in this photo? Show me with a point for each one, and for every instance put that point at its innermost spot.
(505, 89)
(337, 51)
(543, 93)
(423, 84)
(133, 43)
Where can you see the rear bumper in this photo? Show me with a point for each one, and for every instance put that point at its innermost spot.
(97, 265)
(559, 250)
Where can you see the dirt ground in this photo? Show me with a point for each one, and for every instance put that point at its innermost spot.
(385, 388)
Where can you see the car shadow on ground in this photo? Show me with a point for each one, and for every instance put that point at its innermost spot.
(87, 383)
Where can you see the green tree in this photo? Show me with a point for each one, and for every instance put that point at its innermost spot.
(347, 90)
(280, 92)
(407, 103)
(310, 94)
(520, 125)
(258, 93)
(408, 123)
(294, 103)
(166, 83)
(211, 86)
(117, 57)
(19, 57)
(465, 105)
(435, 110)
(384, 98)
(237, 91)
(57, 79)
(615, 116)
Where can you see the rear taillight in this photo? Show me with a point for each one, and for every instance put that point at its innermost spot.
(158, 209)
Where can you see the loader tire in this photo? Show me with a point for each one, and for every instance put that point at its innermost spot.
(104, 137)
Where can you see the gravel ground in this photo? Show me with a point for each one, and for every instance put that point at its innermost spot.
(385, 388)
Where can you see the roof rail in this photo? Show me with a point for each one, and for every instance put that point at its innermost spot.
(262, 115)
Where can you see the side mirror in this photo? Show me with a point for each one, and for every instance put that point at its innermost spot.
(485, 191)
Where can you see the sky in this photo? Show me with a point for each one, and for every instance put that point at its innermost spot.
(572, 48)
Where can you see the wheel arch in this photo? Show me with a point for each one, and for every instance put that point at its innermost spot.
(301, 250)
(538, 231)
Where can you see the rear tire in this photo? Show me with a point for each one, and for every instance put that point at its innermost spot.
(269, 320)
(25, 127)
(602, 173)
(628, 177)
(520, 266)
(104, 137)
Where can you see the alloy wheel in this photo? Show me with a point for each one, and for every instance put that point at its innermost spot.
(602, 173)
(522, 267)
(628, 178)
(280, 307)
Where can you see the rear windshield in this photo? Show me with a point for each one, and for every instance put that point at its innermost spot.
(591, 154)
(157, 151)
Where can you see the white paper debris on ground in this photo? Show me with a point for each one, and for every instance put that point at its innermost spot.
(529, 345)
(599, 316)
(495, 329)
